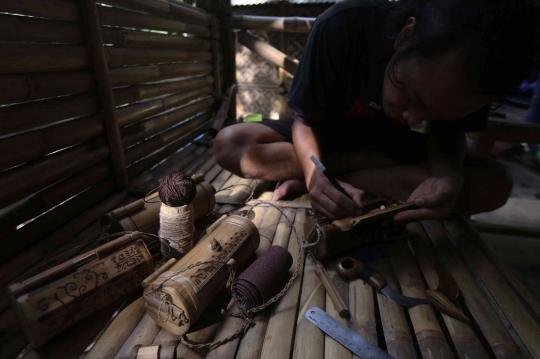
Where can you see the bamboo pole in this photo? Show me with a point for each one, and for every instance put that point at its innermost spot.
(213, 173)
(267, 51)
(223, 110)
(128, 56)
(140, 39)
(493, 330)
(19, 182)
(138, 74)
(93, 28)
(196, 167)
(229, 325)
(143, 92)
(63, 10)
(201, 336)
(225, 191)
(215, 56)
(270, 23)
(465, 340)
(221, 179)
(143, 334)
(362, 309)
(509, 303)
(126, 18)
(27, 29)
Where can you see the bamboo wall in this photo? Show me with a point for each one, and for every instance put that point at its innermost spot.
(92, 96)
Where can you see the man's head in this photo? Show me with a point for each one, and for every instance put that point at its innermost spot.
(454, 56)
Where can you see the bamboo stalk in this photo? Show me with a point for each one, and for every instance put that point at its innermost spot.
(143, 92)
(223, 110)
(20, 58)
(465, 340)
(143, 334)
(22, 181)
(427, 330)
(140, 39)
(63, 10)
(138, 74)
(493, 330)
(93, 28)
(229, 325)
(511, 307)
(270, 23)
(362, 309)
(126, 18)
(128, 56)
(269, 52)
(27, 29)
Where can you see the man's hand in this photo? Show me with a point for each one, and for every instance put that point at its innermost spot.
(329, 201)
(436, 197)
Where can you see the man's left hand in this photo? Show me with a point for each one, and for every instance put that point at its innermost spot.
(436, 197)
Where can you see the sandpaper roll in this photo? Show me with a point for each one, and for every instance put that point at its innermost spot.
(257, 283)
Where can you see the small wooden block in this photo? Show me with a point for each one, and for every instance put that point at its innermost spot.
(150, 352)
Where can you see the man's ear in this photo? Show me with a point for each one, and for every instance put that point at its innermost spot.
(404, 33)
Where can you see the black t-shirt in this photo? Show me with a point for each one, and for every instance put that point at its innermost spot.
(340, 75)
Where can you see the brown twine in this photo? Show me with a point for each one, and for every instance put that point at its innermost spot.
(177, 189)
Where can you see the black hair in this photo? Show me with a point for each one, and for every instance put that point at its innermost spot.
(498, 38)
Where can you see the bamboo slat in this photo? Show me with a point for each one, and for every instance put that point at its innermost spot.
(131, 114)
(126, 18)
(34, 205)
(226, 189)
(269, 52)
(95, 40)
(196, 166)
(138, 74)
(270, 23)
(143, 92)
(465, 340)
(427, 329)
(140, 39)
(221, 179)
(362, 309)
(47, 140)
(63, 10)
(27, 29)
(24, 180)
(493, 330)
(21, 58)
(213, 173)
(143, 334)
(28, 87)
(229, 325)
(517, 314)
(180, 135)
(127, 56)
(206, 166)
(201, 336)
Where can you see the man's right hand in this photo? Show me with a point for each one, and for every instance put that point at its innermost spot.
(329, 201)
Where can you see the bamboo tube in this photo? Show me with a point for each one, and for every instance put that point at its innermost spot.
(26, 29)
(93, 28)
(267, 51)
(34, 205)
(465, 340)
(126, 18)
(223, 110)
(47, 140)
(139, 39)
(181, 134)
(221, 179)
(362, 309)
(31, 177)
(54, 218)
(227, 188)
(143, 92)
(20, 58)
(493, 330)
(509, 303)
(127, 56)
(143, 334)
(427, 330)
(399, 342)
(132, 75)
(22, 117)
(63, 10)
(270, 23)
(213, 172)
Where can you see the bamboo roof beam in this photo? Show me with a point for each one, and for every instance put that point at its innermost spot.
(270, 23)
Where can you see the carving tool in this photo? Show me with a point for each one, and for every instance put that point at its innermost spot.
(328, 175)
(345, 336)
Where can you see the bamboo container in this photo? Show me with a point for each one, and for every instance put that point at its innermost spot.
(187, 294)
(52, 301)
(427, 329)
(63, 10)
(465, 340)
(271, 23)
(143, 214)
(26, 29)
(127, 56)
(493, 330)
(133, 75)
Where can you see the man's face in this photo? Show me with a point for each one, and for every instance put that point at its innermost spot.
(434, 90)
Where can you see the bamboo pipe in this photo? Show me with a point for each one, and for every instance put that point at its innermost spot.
(270, 23)
(19, 182)
(267, 51)
(126, 18)
(138, 74)
(127, 56)
(63, 10)
(93, 28)
(140, 39)
(28, 29)
(223, 110)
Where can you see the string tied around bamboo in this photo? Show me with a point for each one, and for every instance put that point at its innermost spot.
(176, 191)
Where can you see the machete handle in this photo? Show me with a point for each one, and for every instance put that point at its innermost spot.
(348, 267)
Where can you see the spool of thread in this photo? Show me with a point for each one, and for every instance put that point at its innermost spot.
(257, 283)
(176, 227)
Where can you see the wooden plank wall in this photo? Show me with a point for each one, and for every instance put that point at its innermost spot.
(160, 82)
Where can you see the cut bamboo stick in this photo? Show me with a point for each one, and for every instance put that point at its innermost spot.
(126, 18)
(143, 334)
(270, 23)
(127, 56)
(427, 329)
(27, 29)
(221, 179)
(465, 340)
(63, 10)
(512, 308)
(494, 331)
